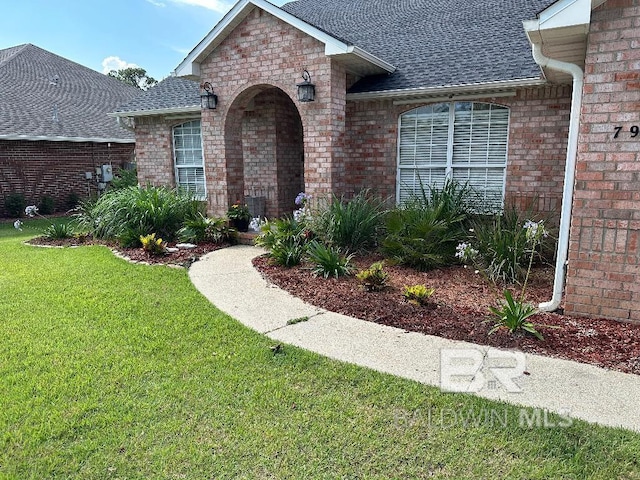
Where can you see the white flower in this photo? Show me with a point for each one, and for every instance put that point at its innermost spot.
(17, 225)
(31, 210)
(535, 230)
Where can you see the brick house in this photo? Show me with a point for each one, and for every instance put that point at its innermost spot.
(522, 99)
(54, 126)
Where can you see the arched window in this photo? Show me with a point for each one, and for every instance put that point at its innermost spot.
(188, 159)
(463, 141)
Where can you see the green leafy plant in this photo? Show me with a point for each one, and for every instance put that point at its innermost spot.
(47, 205)
(424, 231)
(129, 213)
(512, 315)
(329, 261)
(72, 201)
(417, 294)
(152, 245)
(239, 211)
(286, 240)
(58, 231)
(124, 178)
(504, 246)
(352, 224)
(206, 229)
(374, 278)
(15, 204)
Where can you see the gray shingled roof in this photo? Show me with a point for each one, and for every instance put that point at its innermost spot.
(432, 42)
(37, 86)
(170, 93)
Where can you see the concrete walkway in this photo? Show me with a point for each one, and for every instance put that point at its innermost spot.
(574, 390)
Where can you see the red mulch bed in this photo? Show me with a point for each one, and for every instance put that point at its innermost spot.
(459, 311)
(182, 257)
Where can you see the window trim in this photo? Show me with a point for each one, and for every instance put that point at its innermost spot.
(450, 165)
(177, 167)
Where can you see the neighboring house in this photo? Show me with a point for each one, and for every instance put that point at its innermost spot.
(410, 92)
(54, 127)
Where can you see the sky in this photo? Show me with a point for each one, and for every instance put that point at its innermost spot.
(112, 34)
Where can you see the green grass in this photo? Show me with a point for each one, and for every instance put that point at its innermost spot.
(112, 370)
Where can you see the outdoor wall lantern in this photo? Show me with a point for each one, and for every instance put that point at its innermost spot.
(208, 99)
(306, 89)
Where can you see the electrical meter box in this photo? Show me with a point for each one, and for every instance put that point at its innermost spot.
(106, 173)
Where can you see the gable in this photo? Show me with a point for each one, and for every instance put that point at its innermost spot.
(355, 59)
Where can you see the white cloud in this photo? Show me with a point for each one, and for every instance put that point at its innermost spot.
(115, 63)
(219, 6)
(157, 3)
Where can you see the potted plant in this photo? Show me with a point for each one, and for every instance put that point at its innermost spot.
(239, 216)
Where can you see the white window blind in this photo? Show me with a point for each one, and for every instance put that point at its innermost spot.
(462, 141)
(188, 159)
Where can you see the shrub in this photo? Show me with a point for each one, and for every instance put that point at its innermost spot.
(350, 224)
(374, 278)
(73, 200)
(58, 231)
(424, 231)
(152, 245)
(205, 229)
(286, 240)
(418, 236)
(131, 212)
(47, 205)
(15, 204)
(417, 294)
(124, 178)
(329, 261)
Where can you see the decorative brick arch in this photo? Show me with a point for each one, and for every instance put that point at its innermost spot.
(263, 147)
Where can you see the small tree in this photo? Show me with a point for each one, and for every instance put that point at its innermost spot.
(134, 76)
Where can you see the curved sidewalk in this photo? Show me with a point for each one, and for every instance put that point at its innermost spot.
(227, 278)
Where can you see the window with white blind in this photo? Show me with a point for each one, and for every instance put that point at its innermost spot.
(188, 159)
(463, 141)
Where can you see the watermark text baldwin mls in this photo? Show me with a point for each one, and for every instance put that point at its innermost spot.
(505, 417)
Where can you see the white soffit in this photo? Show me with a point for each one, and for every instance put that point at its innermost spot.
(355, 59)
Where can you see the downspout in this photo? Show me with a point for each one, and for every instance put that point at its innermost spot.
(129, 124)
(569, 173)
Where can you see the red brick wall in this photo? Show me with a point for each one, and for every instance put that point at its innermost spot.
(154, 150)
(262, 53)
(55, 169)
(538, 129)
(603, 277)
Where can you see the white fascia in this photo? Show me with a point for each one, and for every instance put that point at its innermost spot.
(47, 138)
(158, 111)
(190, 66)
(427, 92)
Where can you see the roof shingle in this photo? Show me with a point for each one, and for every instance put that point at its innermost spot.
(170, 93)
(432, 43)
(45, 96)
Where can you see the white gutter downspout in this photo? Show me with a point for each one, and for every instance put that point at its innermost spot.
(129, 125)
(569, 172)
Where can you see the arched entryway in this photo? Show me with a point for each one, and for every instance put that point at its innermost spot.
(264, 150)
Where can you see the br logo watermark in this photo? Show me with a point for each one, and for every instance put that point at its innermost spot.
(472, 370)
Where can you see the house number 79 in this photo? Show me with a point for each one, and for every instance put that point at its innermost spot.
(634, 130)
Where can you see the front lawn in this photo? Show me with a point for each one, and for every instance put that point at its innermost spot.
(114, 370)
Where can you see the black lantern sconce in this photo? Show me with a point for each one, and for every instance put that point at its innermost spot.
(208, 99)
(306, 89)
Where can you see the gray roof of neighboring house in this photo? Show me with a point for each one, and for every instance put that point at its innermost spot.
(44, 96)
(431, 42)
(171, 93)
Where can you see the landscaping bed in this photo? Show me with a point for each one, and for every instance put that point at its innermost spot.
(459, 308)
(183, 257)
